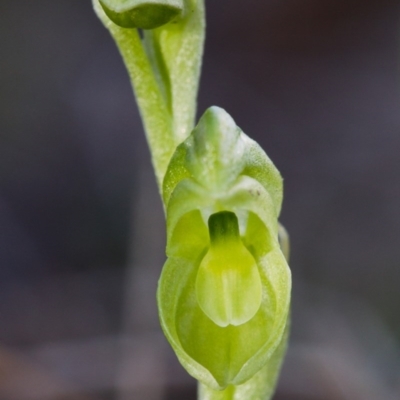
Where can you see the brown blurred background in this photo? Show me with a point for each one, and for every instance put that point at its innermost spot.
(81, 225)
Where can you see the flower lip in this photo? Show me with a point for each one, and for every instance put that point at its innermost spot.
(228, 283)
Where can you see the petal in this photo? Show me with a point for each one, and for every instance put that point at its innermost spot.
(228, 285)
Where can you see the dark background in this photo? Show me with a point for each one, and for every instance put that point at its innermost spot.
(315, 82)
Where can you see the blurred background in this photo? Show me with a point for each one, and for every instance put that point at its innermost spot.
(315, 82)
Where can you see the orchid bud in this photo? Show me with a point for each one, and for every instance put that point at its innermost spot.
(143, 14)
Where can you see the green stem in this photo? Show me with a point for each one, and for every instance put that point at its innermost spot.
(155, 115)
(164, 70)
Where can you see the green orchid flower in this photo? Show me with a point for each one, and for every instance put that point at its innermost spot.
(224, 292)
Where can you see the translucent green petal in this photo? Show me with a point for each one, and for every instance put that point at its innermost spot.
(260, 387)
(228, 284)
(216, 154)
